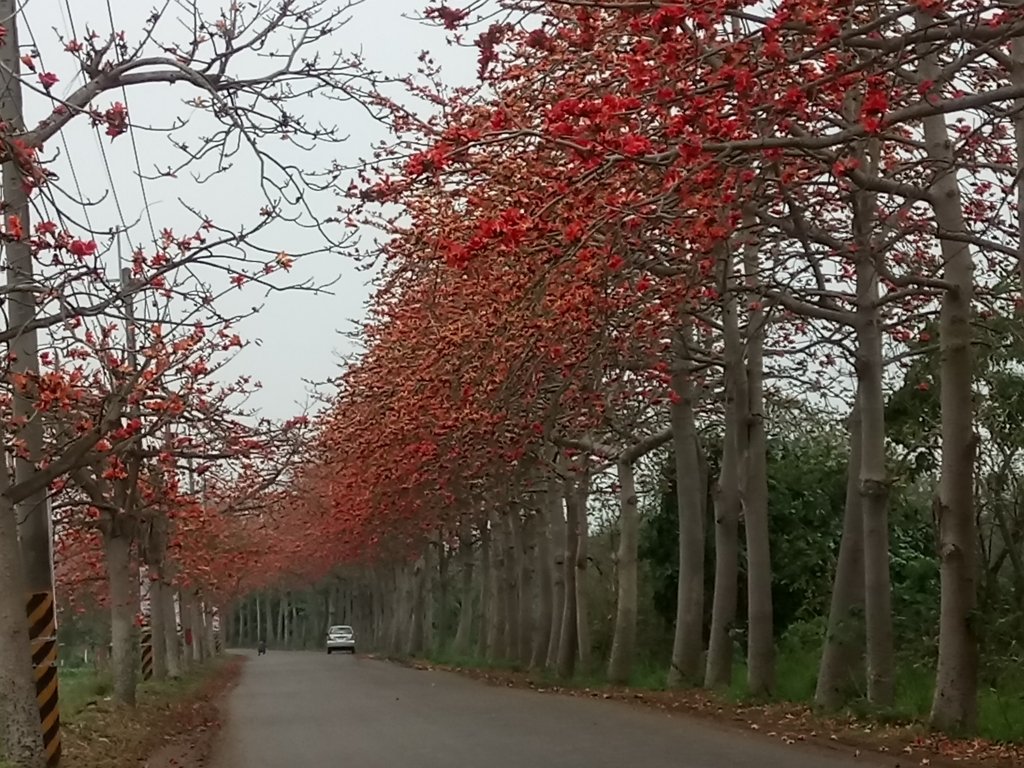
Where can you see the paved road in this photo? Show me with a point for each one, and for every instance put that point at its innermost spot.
(310, 710)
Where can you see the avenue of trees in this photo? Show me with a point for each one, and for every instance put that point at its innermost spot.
(137, 469)
(758, 266)
(694, 356)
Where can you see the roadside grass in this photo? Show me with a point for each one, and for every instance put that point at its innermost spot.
(100, 734)
(1000, 707)
(79, 687)
(96, 733)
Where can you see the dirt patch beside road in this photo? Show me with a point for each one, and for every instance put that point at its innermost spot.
(172, 725)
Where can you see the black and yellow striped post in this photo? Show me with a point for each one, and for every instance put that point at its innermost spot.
(215, 621)
(42, 627)
(147, 652)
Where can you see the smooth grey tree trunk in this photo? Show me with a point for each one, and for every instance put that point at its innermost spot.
(556, 524)
(21, 740)
(728, 498)
(442, 632)
(280, 627)
(157, 616)
(376, 624)
(688, 642)
(545, 588)
(186, 628)
(397, 615)
(211, 634)
(198, 629)
(295, 633)
(496, 630)
(467, 608)
(760, 625)
(124, 602)
(417, 582)
(527, 596)
(509, 583)
(568, 641)
(170, 628)
(842, 660)
(487, 607)
(955, 701)
(393, 609)
(268, 618)
(244, 623)
(874, 481)
(582, 581)
(429, 581)
(620, 663)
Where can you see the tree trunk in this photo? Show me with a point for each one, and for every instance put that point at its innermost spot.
(955, 702)
(157, 617)
(159, 590)
(557, 526)
(527, 599)
(842, 658)
(874, 481)
(244, 623)
(170, 626)
(429, 579)
(728, 500)
(198, 629)
(417, 583)
(123, 605)
(689, 635)
(582, 562)
(496, 630)
(377, 609)
(209, 636)
(510, 597)
(268, 619)
(467, 607)
(568, 641)
(487, 608)
(294, 637)
(185, 618)
(279, 624)
(442, 631)
(620, 664)
(32, 515)
(545, 588)
(21, 739)
(259, 633)
(760, 629)
(397, 615)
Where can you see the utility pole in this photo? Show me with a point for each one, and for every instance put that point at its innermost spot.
(34, 531)
(146, 642)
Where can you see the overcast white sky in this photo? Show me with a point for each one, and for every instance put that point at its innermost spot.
(298, 331)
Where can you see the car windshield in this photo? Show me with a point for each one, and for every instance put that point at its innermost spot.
(339, 630)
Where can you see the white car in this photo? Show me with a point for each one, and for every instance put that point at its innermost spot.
(341, 638)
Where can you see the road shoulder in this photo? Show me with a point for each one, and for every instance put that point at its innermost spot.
(881, 744)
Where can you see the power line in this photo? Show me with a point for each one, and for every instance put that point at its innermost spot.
(70, 22)
(138, 165)
(131, 134)
(63, 138)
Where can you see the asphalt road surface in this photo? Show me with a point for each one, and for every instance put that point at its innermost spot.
(311, 710)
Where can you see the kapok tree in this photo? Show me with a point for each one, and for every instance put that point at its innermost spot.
(247, 108)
